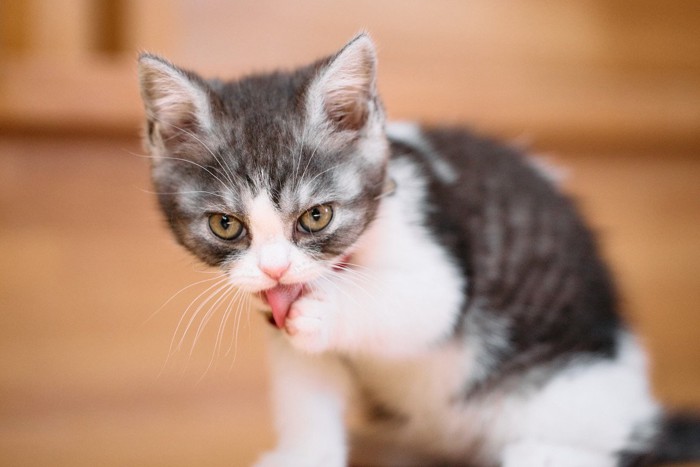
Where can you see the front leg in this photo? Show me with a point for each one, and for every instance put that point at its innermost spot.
(308, 395)
(539, 454)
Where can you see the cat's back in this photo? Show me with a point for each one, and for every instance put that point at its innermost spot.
(525, 251)
(481, 188)
(472, 170)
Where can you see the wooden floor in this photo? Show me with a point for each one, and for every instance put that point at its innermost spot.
(84, 378)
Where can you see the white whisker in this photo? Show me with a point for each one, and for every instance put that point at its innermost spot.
(197, 310)
(220, 331)
(338, 288)
(207, 316)
(218, 194)
(172, 297)
(297, 158)
(224, 167)
(313, 153)
(308, 182)
(245, 308)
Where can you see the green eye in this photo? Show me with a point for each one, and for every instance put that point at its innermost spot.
(226, 227)
(316, 219)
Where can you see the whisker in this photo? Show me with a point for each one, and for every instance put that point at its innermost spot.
(297, 158)
(236, 327)
(219, 333)
(207, 316)
(205, 271)
(355, 275)
(227, 313)
(172, 297)
(171, 352)
(224, 167)
(313, 153)
(354, 282)
(219, 280)
(203, 323)
(219, 194)
(308, 182)
(351, 268)
(197, 310)
(338, 288)
(247, 315)
(354, 265)
(354, 278)
(180, 159)
(245, 307)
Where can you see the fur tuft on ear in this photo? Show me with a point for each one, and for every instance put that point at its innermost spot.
(177, 102)
(347, 84)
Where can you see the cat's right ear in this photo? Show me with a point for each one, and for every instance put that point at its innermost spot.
(178, 103)
(344, 94)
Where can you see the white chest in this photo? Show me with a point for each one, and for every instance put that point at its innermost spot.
(421, 404)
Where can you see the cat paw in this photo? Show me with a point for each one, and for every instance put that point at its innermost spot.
(524, 454)
(309, 325)
(276, 459)
(298, 459)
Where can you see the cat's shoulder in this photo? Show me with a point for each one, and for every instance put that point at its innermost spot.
(450, 151)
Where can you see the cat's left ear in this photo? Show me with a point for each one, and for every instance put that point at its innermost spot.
(344, 93)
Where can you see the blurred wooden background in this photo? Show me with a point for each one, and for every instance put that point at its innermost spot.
(608, 88)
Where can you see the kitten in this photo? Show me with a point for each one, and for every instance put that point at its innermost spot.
(434, 299)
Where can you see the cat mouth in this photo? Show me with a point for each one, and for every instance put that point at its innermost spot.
(280, 299)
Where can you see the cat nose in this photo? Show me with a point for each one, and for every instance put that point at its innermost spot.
(274, 271)
(274, 258)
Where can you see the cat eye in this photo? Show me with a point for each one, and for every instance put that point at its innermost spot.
(226, 227)
(315, 219)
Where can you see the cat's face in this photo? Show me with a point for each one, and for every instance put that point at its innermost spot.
(274, 177)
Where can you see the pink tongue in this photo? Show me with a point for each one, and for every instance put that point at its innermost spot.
(280, 299)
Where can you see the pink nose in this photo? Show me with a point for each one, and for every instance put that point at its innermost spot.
(275, 271)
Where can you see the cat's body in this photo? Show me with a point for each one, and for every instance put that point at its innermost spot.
(445, 368)
(428, 285)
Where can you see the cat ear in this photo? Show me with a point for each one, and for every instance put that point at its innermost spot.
(345, 91)
(178, 104)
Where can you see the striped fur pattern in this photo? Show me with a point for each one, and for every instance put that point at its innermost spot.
(453, 311)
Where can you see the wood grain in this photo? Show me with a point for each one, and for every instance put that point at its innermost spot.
(589, 72)
(83, 374)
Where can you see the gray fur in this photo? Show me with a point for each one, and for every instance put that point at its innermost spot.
(538, 295)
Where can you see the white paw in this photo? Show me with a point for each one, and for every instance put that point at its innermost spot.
(536, 454)
(279, 459)
(309, 324)
(300, 459)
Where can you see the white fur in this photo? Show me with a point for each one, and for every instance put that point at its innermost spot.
(387, 326)
(389, 306)
(410, 133)
(590, 407)
(544, 165)
(404, 311)
(538, 454)
(271, 248)
(308, 395)
(423, 388)
(265, 221)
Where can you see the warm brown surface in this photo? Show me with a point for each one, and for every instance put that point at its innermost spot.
(87, 260)
(591, 72)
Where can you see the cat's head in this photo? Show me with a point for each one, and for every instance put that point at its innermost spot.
(273, 177)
